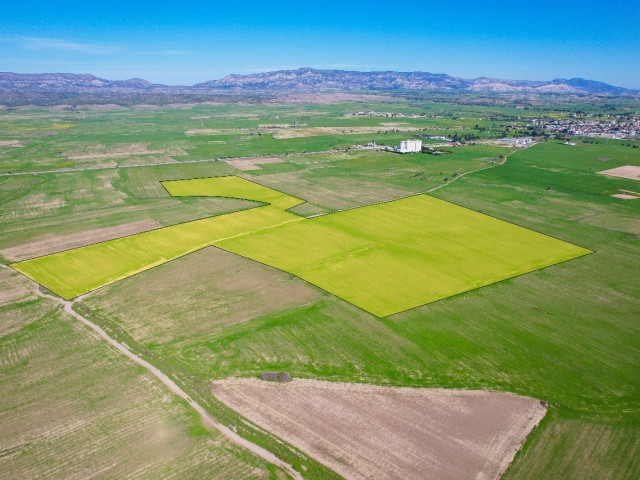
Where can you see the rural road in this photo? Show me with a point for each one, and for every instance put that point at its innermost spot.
(207, 419)
(506, 157)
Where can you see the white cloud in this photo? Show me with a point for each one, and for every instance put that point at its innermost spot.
(42, 43)
(169, 51)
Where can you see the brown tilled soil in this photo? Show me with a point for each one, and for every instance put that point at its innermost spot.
(253, 163)
(13, 287)
(118, 151)
(54, 244)
(315, 131)
(366, 431)
(10, 143)
(199, 294)
(627, 171)
(217, 131)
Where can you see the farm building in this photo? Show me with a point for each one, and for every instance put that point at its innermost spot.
(409, 146)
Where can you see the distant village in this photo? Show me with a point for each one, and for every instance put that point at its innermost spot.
(416, 146)
(386, 114)
(608, 126)
(612, 126)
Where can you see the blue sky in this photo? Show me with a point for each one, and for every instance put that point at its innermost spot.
(188, 42)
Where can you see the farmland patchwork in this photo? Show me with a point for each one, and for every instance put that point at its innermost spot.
(384, 258)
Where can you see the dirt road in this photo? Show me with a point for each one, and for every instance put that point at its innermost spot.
(207, 419)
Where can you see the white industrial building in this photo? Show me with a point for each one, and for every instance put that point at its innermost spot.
(409, 146)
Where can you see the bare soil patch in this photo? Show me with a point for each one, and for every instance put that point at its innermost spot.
(217, 131)
(238, 115)
(199, 294)
(279, 125)
(253, 163)
(11, 143)
(53, 244)
(113, 151)
(13, 287)
(366, 431)
(627, 171)
(36, 203)
(316, 131)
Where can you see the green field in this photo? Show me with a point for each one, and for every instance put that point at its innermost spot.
(231, 187)
(394, 256)
(384, 258)
(78, 271)
(567, 334)
(71, 405)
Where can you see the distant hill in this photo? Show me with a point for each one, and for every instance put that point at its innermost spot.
(46, 81)
(55, 88)
(309, 79)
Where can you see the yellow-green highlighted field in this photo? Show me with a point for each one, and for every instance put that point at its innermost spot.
(232, 187)
(78, 271)
(384, 258)
(394, 256)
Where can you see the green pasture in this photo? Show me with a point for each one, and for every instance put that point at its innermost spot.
(384, 258)
(567, 334)
(78, 271)
(54, 140)
(394, 256)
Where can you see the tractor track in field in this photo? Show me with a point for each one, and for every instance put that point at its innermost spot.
(206, 417)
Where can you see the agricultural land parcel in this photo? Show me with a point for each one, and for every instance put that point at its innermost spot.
(384, 258)
(78, 271)
(72, 407)
(534, 335)
(627, 171)
(567, 334)
(365, 431)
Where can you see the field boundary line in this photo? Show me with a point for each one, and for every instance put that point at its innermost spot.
(425, 191)
(205, 416)
(260, 204)
(162, 164)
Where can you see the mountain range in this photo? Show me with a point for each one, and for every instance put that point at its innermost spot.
(14, 86)
(309, 79)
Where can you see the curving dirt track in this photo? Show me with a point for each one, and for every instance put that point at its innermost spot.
(207, 419)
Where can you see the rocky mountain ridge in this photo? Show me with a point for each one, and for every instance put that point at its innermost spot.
(309, 79)
(57, 88)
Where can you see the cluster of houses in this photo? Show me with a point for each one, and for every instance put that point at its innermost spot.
(406, 146)
(385, 114)
(519, 142)
(409, 146)
(622, 126)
